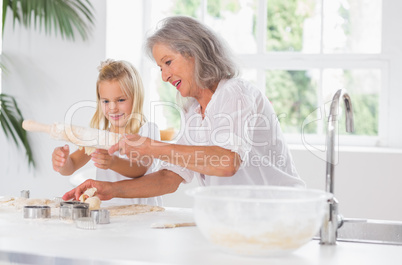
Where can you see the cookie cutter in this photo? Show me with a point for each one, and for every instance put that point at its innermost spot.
(71, 210)
(25, 194)
(85, 223)
(37, 212)
(100, 216)
(58, 199)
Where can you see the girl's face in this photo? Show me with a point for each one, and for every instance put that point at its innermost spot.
(176, 69)
(116, 106)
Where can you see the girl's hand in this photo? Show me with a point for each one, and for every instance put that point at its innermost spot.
(102, 159)
(60, 156)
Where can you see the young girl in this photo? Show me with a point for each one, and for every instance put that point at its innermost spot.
(120, 97)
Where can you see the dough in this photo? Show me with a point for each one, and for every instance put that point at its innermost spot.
(6, 199)
(94, 203)
(89, 197)
(133, 209)
(88, 150)
(20, 202)
(87, 194)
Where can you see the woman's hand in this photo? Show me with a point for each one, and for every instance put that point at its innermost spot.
(102, 159)
(103, 190)
(134, 147)
(60, 156)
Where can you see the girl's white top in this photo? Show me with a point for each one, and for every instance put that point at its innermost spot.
(149, 130)
(239, 118)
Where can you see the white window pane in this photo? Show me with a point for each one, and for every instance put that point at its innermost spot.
(192, 8)
(352, 26)
(167, 107)
(250, 75)
(293, 95)
(160, 9)
(294, 26)
(363, 86)
(234, 21)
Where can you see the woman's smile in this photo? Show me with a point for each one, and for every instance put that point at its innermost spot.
(176, 69)
(177, 84)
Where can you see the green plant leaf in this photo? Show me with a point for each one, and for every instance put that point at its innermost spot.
(11, 121)
(66, 17)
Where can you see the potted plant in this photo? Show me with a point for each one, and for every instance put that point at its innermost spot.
(66, 17)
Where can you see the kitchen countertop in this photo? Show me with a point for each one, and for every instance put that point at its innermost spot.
(131, 240)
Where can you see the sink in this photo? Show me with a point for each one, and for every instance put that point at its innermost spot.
(370, 231)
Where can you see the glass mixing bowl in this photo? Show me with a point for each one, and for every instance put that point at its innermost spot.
(258, 220)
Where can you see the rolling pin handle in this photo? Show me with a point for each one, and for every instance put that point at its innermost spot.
(33, 126)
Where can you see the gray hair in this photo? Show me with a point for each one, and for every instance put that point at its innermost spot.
(190, 38)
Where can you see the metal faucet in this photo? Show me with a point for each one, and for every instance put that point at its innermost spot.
(333, 220)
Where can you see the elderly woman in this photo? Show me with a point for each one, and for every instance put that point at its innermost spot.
(231, 133)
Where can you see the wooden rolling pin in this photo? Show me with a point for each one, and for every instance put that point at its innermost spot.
(81, 136)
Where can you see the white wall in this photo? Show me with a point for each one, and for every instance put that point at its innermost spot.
(367, 181)
(47, 76)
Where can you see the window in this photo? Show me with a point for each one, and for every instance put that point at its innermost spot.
(299, 53)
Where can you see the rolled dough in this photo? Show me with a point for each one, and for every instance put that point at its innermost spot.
(119, 210)
(133, 209)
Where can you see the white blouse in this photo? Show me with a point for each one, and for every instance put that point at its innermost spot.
(239, 118)
(149, 130)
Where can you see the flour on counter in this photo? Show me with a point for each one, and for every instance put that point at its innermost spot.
(115, 210)
(20, 202)
(133, 209)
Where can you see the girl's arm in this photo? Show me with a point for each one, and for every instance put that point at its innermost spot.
(127, 168)
(67, 164)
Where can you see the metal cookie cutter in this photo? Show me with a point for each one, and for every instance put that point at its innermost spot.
(100, 216)
(58, 199)
(72, 210)
(85, 223)
(25, 194)
(36, 212)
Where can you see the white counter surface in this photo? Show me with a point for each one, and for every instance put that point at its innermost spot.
(131, 240)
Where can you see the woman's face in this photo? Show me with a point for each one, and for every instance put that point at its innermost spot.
(176, 69)
(116, 106)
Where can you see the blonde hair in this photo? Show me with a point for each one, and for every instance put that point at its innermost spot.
(131, 84)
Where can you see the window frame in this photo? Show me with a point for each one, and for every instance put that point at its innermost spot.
(262, 61)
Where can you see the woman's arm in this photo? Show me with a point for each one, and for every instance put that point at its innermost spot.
(151, 185)
(209, 160)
